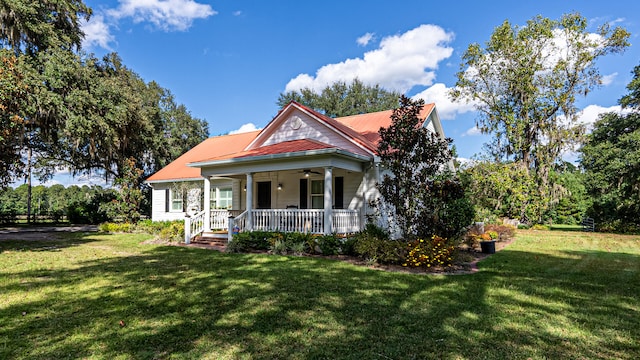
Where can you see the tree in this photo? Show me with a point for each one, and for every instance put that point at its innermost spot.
(340, 99)
(30, 26)
(524, 85)
(129, 196)
(425, 198)
(611, 160)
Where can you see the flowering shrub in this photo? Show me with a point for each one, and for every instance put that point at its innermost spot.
(437, 251)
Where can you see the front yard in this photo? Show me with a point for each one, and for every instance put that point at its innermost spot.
(550, 294)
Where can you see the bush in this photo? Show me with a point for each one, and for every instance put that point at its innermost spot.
(504, 232)
(116, 227)
(349, 246)
(523, 226)
(437, 251)
(172, 233)
(374, 244)
(540, 227)
(329, 244)
(253, 240)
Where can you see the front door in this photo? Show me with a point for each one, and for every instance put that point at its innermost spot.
(264, 195)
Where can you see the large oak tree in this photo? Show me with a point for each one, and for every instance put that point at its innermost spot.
(524, 84)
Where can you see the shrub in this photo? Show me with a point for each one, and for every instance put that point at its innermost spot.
(540, 227)
(505, 232)
(279, 247)
(349, 246)
(437, 251)
(523, 226)
(253, 240)
(329, 244)
(493, 235)
(116, 227)
(298, 249)
(172, 233)
(373, 244)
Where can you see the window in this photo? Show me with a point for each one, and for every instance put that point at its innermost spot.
(176, 200)
(221, 198)
(317, 194)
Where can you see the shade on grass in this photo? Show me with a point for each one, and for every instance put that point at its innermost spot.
(548, 295)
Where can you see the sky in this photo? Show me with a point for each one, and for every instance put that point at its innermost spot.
(228, 61)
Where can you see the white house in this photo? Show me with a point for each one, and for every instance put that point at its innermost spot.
(303, 172)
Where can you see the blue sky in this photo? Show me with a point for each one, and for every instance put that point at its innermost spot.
(228, 61)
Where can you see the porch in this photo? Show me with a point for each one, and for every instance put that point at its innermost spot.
(312, 221)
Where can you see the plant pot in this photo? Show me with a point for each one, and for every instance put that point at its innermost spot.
(488, 246)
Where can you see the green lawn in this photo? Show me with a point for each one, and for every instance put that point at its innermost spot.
(550, 294)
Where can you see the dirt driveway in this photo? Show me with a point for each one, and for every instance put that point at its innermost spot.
(42, 232)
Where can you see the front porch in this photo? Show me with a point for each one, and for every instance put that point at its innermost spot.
(283, 220)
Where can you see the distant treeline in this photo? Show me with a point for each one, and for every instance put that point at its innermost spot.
(73, 204)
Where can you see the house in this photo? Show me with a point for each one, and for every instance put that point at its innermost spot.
(303, 172)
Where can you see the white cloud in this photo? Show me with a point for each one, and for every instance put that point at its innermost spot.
(365, 39)
(96, 32)
(608, 79)
(245, 128)
(474, 131)
(167, 15)
(438, 94)
(400, 63)
(237, 13)
(589, 114)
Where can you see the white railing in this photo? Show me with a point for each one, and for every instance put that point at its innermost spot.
(289, 220)
(220, 218)
(193, 226)
(239, 223)
(298, 220)
(345, 221)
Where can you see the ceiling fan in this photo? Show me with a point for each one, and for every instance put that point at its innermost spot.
(308, 172)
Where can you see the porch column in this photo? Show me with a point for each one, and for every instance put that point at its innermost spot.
(207, 204)
(328, 199)
(249, 205)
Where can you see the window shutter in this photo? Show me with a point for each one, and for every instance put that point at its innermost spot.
(338, 193)
(303, 193)
(167, 200)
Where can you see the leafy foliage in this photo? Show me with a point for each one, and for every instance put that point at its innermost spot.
(129, 196)
(524, 84)
(340, 99)
(425, 198)
(437, 251)
(611, 160)
(33, 26)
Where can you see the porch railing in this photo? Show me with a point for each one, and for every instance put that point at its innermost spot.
(345, 221)
(298, 220)
(193, 226)
(220, 218)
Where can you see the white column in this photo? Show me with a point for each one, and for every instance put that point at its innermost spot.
(328, 199)
(207, 204)
(249, 205)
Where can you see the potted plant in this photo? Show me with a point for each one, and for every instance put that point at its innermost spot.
(488, 242)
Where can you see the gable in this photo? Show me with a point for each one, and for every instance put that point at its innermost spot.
(297, 122)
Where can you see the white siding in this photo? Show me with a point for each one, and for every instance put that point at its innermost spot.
(311, 129)
(158, 204)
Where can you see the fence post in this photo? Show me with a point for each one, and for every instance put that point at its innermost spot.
(230, 229)
(187, 229)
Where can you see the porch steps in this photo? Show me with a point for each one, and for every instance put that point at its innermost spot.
(215, 239)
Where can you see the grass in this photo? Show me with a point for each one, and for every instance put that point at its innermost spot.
(550, 294)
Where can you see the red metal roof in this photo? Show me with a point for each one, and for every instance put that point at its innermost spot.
(284, 147)
(362, 129)
(219, 145)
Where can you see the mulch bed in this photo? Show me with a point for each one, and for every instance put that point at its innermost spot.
(468, 267)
